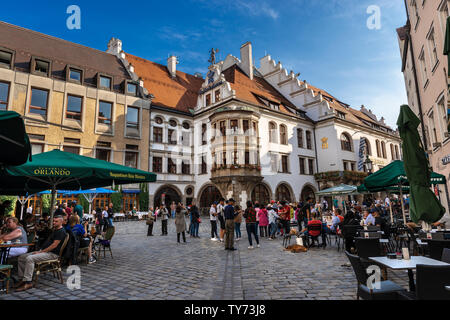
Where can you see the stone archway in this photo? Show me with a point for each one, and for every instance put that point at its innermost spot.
(208, 195)
(261, 194)
(283, 192)
(307, 192)
(171, 193)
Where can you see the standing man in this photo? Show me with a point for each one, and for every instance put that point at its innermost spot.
(220, 216)
(110, 215)
(213, 219)
(229, 214)
(78, 209)
(164, 214)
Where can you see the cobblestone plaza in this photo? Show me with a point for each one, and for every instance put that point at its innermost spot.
(157, 268)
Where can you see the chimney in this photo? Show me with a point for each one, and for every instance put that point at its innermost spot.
(114, 46)
(247, 59)
(172, 62)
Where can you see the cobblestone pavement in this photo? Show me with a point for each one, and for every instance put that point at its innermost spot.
(157, 268)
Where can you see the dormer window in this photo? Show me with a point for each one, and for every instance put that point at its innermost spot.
(40, 67)
(131, 88)
(208, 99)
(104, 82)
(341, 115)
(75, 75)
(6, 57)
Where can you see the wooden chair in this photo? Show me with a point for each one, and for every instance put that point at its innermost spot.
(5, 269)
(53, 265)
(105, 243)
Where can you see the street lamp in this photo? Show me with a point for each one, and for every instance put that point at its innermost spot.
(369, 164)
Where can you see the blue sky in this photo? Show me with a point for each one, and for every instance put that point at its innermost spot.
(327, 41)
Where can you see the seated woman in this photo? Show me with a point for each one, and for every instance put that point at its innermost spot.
(81, 231)
(15, 233)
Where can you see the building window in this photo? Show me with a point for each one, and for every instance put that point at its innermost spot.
(247, 158)
(367, 149)
(423, 68)
(186, 125)
(157, 164)
(172, 136)
(392, 152)
(352, 166)
(157, 134)
(302, 165)
(346, 142)
(415, 13)
(104, 112)
(186, 139)
(283, 135)
(71, 148)
(172, 123)
(245, 126)
(131, 156)
(133, 118)
(341, 115)
(103, 151)
(234, 126)
(311, 166)
(274, 162)
(224, 158)
(41, 67)
(75, 75)
(378, 148)
(4, 95)
(383, 149)
(272, 132)
(255, 128)
(208, 99)
(217, 95)
(131, 88)
(442, 109)
(300, 138)
(186, 167)
(74, 107)
(284, 164)
(223, 128)
(397, 154)
(432, 125)
(171, 166)
(39, 101)
(432, 48)
(104, 82)
(204, 168)
(6, 58)
(37, 148)
(308, 140)
(158, 120)
(203, 134)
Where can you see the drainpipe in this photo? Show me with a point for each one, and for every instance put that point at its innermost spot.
(315, 150)
(409, 39)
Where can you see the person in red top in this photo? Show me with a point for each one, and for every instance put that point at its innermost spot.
(285, 217)
(315, 233)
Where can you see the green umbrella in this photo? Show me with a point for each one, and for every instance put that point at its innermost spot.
(341, 189)
(67, 171)
(423, 202)
(14, 143)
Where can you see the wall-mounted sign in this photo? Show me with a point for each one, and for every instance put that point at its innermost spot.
(324, 143)
(446, 160)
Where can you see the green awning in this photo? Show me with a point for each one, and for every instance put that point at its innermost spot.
(62, 170)
(15, 148)
(394, 189)
(341, 189)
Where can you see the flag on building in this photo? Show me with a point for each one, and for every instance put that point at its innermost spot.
(362, 147)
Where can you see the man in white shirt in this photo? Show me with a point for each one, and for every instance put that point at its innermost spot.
(220, 216)
(368, 218)
(213, 219)
(387, 201)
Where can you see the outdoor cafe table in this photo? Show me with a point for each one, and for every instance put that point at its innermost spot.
(5, 246)
(410, 265)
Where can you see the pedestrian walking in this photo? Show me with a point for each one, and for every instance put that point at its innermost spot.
(256, 207)
(164, 214)
(150, 222)
(250, 224)
(229, 215)
(237, 223)
(180, 222)
(213, 220)
(195, 220)
(272, 217)
(263, 222)
(220, 212)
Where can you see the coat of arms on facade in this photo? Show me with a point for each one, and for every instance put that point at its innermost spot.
(324, 143)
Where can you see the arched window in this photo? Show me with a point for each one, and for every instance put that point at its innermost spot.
(397, 154)
(283, 135)
(272, 132)
(383, 149)
(283, 193)
(392, 152)
(209, 195)
(308, 140)
(346, 142)
(300, 138)
(378, 148)
(368, 148)
(260, 194)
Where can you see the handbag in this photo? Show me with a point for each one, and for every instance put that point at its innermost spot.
(199, 220)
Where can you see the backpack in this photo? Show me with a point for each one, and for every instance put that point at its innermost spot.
(71, 250)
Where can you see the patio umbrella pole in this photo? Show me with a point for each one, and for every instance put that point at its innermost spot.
(403, 206)
(390, 208)
(52, 205)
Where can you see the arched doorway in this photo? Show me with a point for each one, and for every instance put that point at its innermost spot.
(307, 192)
(261, 194)
(283, 193)
(170, 195)
(208, 196)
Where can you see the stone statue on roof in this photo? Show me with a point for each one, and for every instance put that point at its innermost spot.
(212, 58)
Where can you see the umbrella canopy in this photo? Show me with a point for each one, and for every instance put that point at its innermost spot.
(423, 202)
(67, 171)
(91, 191)
(14, 142)
(337, 190)
(394, 189)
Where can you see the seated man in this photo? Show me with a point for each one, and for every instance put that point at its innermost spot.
(15, 234)
(315, 233)
(368, 218)
(50, 250)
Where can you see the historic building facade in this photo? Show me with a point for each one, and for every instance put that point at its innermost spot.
(425, 70)
(240, 131)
